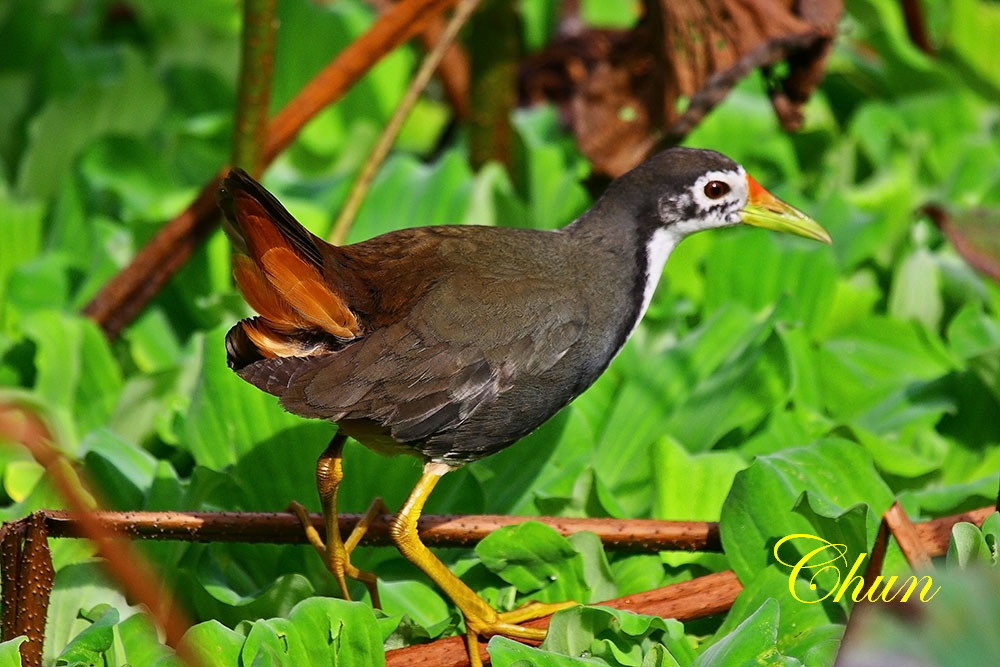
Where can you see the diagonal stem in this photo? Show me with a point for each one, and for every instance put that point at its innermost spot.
(342, 226)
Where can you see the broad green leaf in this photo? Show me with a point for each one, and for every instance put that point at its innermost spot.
(880, 356)
(916, 290)
(691, 376)
(90, 646)
(77, 373)
(232, 583)
(735, 397)
(537, 560)
(213, 643)
(21, 229)
(10, 655)
(402, 593)
(614, 637)
(506, 652)
(317, 631)
(123, 472)
(138, 641)
(757, 269)
(799, 615)
(20, 477)
(596, 570)
(692, 487)
(971, 546)
(975, 337)
(837, 474)
(972, 24)
(637, 573)
(129, 101)
(754, 641)
(152, 341)
(80, 586)
(950, 498)
(404, 184)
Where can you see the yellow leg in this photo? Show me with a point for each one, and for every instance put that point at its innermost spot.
(337, 552)
(481, 620)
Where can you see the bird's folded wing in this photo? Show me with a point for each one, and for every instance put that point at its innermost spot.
(429, 373)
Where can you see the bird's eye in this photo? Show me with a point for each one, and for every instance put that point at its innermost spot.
(716, 189)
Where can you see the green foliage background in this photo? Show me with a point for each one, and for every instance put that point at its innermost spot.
(781, 385)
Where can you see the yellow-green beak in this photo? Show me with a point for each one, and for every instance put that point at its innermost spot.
(765, 210)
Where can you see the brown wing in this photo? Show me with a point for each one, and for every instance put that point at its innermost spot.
(462, 347)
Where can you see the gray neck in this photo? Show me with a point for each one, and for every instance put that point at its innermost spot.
(633, 245)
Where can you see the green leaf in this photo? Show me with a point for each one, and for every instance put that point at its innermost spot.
(916, 290)
(319, 631)
(754, 641)
(801, 617)
(805, 274)
(405, 184)
(614, 637)
(972, 546)
(419, 600)
(123, 471)
(236, 582)
(506, 652)
(692, 487)
(77, 373)
(129, 101)
(21, 229)
(537, 560)
(880, 356)
(81, 585)
(140, 644)
(10, 655)
(758, 512)
(90, 646)
(213, 643)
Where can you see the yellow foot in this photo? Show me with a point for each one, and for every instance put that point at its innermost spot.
(337, 553)
(507, 625)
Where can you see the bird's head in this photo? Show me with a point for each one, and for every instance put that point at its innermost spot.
(701, 189)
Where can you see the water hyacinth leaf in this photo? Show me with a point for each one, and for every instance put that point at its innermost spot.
(879, 357)
(536, 559)
(79, 586)
(837, 474)
(139, 642)
(77, 373)
(613, 636)
(21, 229)
(692, 487)
(10, 655)
(804, 609)
(90, 646)
(419, 600)
(506, 652)
(972, 546)
(754, 641)
(807, 275)
(213, 643)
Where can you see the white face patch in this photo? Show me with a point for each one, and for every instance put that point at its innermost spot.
(709, 213)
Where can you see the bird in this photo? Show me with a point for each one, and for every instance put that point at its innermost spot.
(450, 343)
